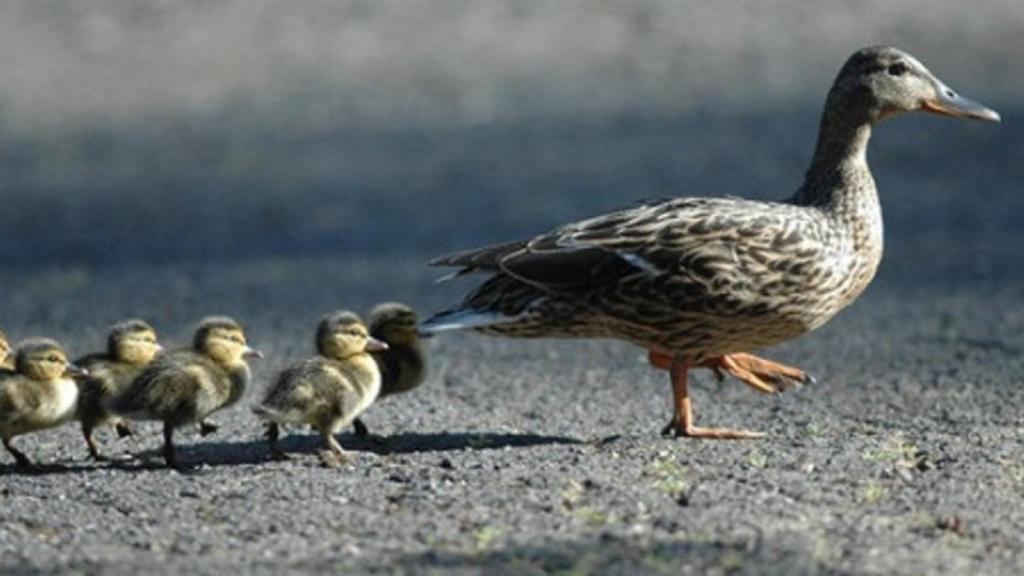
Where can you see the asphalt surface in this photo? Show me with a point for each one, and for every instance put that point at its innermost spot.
(526, 457)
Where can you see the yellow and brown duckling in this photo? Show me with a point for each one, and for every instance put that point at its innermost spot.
(6, 354)
(403, 366)
(40, 393)
(329, 390)
(185, 386)
(131, 346)
(700, 282)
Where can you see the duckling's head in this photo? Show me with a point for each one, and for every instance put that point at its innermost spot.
(133, 341)
(880, 81)
(342, 334)
(6, 356)
(44, 360)
(394, 323)
(223, 340)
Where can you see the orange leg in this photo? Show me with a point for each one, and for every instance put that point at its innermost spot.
(760, 374)
(682, 422)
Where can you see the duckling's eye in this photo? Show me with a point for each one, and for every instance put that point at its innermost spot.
(53, 359)
(898, 69)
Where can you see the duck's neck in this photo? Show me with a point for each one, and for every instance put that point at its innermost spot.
(838, 178)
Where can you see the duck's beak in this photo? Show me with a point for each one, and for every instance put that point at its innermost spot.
(946, 101)
(74, 370)
(251, 353)
(374, 345)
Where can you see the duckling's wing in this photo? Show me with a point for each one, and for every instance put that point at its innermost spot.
(16, 400)
(165, 390)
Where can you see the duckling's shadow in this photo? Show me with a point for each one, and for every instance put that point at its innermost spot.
(256, 451)
(45, 469)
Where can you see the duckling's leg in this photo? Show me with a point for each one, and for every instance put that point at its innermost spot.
(87, 429)
(333, 456)
(170, 454)
(682, 422)
(20, 459)
(273, 433)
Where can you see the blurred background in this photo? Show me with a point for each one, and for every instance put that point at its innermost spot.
(172, 158)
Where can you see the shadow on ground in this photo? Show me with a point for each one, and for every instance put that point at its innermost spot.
(297, 443)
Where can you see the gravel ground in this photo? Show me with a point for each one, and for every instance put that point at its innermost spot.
(526, 457)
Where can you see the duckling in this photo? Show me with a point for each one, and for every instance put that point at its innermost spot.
(403, 366)
(6, 355)
(131, 345)
(329, 390)
(186, 386)
(39, 394)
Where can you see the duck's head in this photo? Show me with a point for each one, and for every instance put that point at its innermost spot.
(394, 323)
(44, 360)
(879, 82)
(342, 335)
(6, 356)
(223, 340)
(133, 341)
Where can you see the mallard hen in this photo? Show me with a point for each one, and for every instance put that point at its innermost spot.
(698, 282)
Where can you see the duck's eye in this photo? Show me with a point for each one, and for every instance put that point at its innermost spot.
(53, 359)
(898, 69)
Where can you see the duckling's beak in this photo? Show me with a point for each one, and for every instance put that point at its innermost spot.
(374, 345)
(74, 370)
(251, 353)
(949, 103)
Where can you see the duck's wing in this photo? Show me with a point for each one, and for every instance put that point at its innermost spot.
(678, 236)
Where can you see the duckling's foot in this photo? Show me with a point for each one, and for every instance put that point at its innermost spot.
(20, 460)
(360, 428)
(758, 373)
(273, 433)
(123, 430)
(333, 456)
(206, 428)
(682, 423)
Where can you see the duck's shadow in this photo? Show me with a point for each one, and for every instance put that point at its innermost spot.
(298, 442)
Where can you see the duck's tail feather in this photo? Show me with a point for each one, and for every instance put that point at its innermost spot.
(462, 319)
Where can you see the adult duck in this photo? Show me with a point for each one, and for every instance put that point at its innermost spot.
(699, 282)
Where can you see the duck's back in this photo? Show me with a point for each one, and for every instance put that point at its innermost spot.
(708, 275)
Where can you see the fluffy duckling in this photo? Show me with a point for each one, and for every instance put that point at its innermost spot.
(39, 394)
(131, 345)
(403, 366)
(329, 390)
(186, 386)
(6, 355)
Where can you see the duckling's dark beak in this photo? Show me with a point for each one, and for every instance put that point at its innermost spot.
(949, 103)
(74, 370)
(251, 353)
(374, 345)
